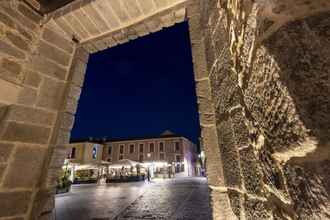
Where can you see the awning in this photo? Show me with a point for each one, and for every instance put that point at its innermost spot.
(124, 163)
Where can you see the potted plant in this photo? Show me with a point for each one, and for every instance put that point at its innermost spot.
(64, 183)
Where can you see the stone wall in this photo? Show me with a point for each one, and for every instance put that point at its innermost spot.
(270, 88)
(35, 67)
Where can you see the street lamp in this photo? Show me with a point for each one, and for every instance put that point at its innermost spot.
(151, 170)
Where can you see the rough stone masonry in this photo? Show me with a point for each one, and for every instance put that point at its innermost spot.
(262, 71)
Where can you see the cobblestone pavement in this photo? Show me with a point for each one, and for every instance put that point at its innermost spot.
(175, 199)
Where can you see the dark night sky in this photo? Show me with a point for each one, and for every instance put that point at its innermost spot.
(140, 88)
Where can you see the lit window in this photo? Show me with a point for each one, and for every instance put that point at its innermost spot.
(121, 149)
(161, 147)
(152, 147)
(141, 148)
(177, 146)
(161, 156)
(94, 152)
(131, 148)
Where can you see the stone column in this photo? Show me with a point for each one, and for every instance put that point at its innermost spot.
(207, 99)
(269, 81)
(35, 64)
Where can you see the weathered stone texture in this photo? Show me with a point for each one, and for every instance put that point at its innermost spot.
(14, 203)
(5, 151)
(53, 53)
(256, 209)
(309, 188)
(57, 40)
(46, 67)
(28, 161)
(51, 94)
(26, 133)
(229, 154)
(30, 115)
(270, 98)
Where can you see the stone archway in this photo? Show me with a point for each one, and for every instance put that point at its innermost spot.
(263, 135)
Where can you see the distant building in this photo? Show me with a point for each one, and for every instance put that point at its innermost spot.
(166, 149)
(162, 154)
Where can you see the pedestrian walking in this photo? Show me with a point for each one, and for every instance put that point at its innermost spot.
(148, 175)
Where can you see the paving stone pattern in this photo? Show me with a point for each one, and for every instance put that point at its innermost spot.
(181, 199)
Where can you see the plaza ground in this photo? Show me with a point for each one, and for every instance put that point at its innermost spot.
(180, 198)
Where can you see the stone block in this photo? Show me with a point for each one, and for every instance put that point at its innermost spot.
(153, 25)
(252, 175)
(205, 105)
(71, 106)
(67, 120)
(5, 151)
(119, 8)
(203, 89)
(27, 96)
(25, 169)
(44, 66)
(2, 170)
(58, 155)
(239, 127)
(9, 93)
(66, 28)
(206, 118)
(82, 55)
(54, 54)
(6, 20)
(58, 40)
(180, 15)
(29, 36)
(17, 40)
(141, 29)
(195, 30)
(95, 17)
(14, 68)
(168, 19)
(29, 13)
(3, 111)
(211, 148)
(21, 19)
(32, 78)
(199, 60)
(51, 94)
(88, 24)
(78, 73)
(229, 154)
(236, 203)
(14, 203)
(74, 91)
(10, 50)
(221, 209)
(63, 137)
(52, 176)
(26, 133)
(30, 115)
(146, 6)
(256, 209)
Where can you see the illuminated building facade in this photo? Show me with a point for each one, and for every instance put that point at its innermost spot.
(163, 155)
(167, 151)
